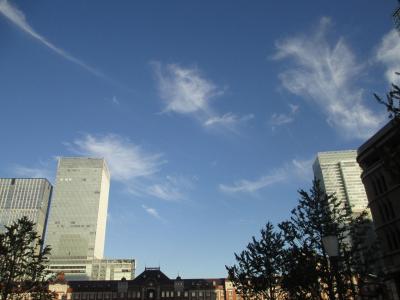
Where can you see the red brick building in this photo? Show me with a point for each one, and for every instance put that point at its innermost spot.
(152, 284)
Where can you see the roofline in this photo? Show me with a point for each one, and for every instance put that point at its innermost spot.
(27, 178)
(380, 134)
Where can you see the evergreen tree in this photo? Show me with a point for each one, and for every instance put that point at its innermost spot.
(257, 271)
(316, 216)
(23, 262)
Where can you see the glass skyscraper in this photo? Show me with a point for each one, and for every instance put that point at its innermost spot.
(21, 197)
(78, 214)
(339, 173)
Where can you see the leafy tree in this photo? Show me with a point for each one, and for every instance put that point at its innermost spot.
(23, 262)
(257, 271)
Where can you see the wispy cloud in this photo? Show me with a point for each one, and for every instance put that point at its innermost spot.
(250, 186)
(137, 169)
(171, 189)
(115, 100)
(153, 212)
(126, 160)
(227, 120)
(282, 119)
(187, 91)
(21, 171)
(17, 17)
(323, 73)
(299, 169)
(388, 53)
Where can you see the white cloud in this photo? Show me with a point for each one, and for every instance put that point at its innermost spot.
(152, 212)
(227, 120)
(186, 91)
(130, 164)
(28, 172)
(115, 100)
(17, 17)
(282, 119)
(324, 75)
(296, 169)
(42, 169)
(164, 191)
(172, 188)
(125, 160)
(248, 186)
(388, 53)
(302, 169)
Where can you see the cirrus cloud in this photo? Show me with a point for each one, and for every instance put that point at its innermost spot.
(324, 74)
(187, 91)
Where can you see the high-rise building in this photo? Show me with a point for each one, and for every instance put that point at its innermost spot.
(78, 214)
(77, 222)
(28, 197)
(339, 173)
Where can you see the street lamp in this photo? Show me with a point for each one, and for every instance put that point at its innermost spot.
(331, 246)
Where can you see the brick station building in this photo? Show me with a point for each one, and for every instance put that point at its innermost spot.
(152, 284)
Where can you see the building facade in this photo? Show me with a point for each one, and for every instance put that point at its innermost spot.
(113, 269)
(152, 284)
(77, 222)
(339, 173)
(379, 158)
(28, 197)
(96, 269)
(78, 215)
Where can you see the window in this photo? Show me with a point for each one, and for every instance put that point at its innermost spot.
(391, 210)
(162, 294)
(193, 294)
(186, 294)
(178, 293)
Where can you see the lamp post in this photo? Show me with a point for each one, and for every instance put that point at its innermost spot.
(331, 246)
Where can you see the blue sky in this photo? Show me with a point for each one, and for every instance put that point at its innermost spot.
(209, 113)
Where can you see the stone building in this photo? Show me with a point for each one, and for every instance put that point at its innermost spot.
(379, 158)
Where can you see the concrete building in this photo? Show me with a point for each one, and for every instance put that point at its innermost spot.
(113, 269)
(339, 173)
(96, 269)
(379, 158)
(28, 197)
(152, 284)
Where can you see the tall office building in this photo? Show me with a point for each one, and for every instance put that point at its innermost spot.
(339, 173)
(21, 197)
(78, 214)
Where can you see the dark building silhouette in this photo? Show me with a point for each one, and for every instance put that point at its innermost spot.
(379, 158)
